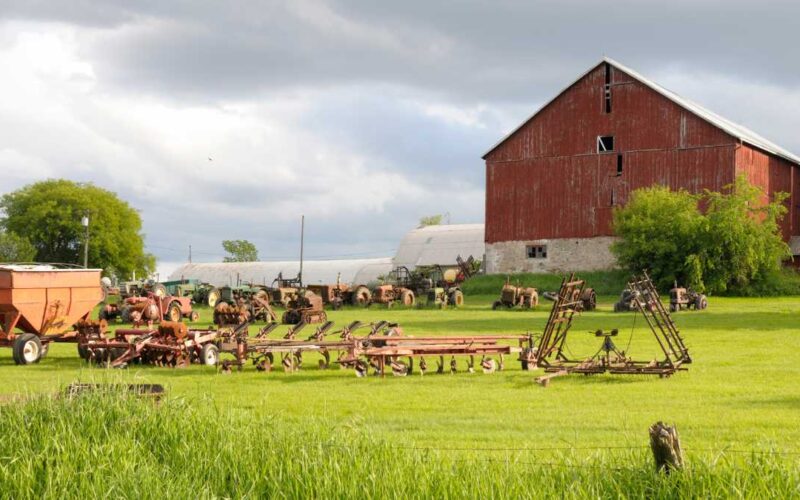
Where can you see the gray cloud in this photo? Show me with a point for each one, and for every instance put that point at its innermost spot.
(364, 115)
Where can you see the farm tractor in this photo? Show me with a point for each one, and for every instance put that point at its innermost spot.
(149, 308)
(396, 288)
(338, 294)
(517, 296)
(306, 307)
(201, 293)
(686, 298)
(284, 290)
(442, 287)
(587, 302)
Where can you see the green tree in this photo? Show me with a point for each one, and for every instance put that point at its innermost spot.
(239, 251)
(48, 214)
(431, 220)
(15, 248)
(733, 242)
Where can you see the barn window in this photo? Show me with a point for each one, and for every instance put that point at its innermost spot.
(537, 251)
(619, 165)
(605, 143)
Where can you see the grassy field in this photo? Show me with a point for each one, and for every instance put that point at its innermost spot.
(582, 435)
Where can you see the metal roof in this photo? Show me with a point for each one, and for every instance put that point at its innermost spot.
(353, 271)
(440, 244)
(738, 131)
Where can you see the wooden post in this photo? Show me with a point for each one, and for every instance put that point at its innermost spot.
(666, 446)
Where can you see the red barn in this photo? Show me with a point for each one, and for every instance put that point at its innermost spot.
(552, 183)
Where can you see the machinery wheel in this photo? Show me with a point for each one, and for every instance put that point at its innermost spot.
(673, 307)
(213, 297)
(209, 355)
(701, 302)
(618, 307)
(103, 315)
(194, 316)
(159, 290)
(83, 353)
(125, 314)
(27, 349)
(456, 298)
(496, 304)
(407, 298)
(262, 295)
(589, 300)
(174, 312)
(361, 296)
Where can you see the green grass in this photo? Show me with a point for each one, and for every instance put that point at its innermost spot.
(603, 282)
(266, 434)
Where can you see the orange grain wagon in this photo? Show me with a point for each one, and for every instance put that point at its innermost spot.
(40, 303)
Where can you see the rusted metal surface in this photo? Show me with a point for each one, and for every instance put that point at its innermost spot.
(150, 308)
(554, 157)
(171, 344)
(686, 298)
(552, 355)
(517, 296)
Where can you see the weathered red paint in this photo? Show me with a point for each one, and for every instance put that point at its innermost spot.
(547, 180)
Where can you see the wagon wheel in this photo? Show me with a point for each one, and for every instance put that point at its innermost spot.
(27, 349)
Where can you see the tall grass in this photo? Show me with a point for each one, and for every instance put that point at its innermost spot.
(114, 445)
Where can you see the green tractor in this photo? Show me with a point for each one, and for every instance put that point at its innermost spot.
(201, 293)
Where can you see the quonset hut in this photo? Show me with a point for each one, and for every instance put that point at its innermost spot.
(353, 271)
(552, 184)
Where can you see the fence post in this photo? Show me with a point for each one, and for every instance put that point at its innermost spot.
(666, 446)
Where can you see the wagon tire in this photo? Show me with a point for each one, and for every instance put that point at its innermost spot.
(209, 355)
(27, 349)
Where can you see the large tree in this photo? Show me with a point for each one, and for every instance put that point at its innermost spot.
(715, 241)
(14, 248)
(48, 214)
(239, 251)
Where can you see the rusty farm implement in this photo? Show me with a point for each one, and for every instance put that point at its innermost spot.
(551, 354)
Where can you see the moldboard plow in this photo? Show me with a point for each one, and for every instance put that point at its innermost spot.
(550, 351)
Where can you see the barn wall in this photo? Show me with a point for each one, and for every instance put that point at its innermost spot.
(563, 255)
(547, 180)
(774, 175)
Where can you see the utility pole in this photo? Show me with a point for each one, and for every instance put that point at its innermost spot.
(302, 234)
(85, 224)
(190, 254)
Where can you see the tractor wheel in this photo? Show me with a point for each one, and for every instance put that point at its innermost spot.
(103, 315)
(262, 295)
(174, 312)
(673, 307)
(213, 297)
(407, 298)
(701, 302)
(125, 314)
(194, 316)
(159, 290)
(361, 296)
(617, 307)
(589, 300)
(209, 355)
(27, 349)
(83, 352)
(496, 305)
(456, 298)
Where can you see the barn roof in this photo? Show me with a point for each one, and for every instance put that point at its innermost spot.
(738, 131)
(441, 244)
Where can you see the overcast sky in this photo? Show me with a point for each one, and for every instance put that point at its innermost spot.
(227, 120)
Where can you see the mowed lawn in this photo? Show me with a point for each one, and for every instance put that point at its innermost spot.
(741, 393)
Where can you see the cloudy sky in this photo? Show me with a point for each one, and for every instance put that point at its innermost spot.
(225, 120)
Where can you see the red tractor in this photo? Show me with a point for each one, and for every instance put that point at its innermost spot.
(151, 308)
